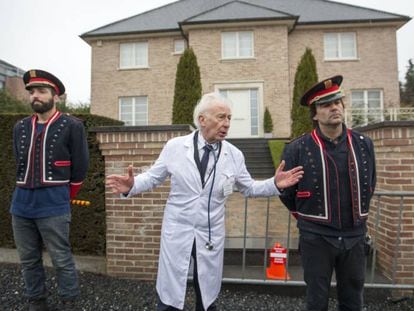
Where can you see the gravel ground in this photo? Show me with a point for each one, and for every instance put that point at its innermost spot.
(100, 292)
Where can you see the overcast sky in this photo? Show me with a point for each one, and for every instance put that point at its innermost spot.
(44, 34)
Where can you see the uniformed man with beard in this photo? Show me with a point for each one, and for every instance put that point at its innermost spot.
(52, 157)
(331, 201)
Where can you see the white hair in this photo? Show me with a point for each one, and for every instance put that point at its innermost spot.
(206, 102)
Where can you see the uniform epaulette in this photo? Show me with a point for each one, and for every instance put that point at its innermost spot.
(296, 138)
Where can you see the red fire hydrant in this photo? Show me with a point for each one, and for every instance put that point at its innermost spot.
(277, 269)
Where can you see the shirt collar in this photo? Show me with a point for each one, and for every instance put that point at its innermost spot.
(202, 142)
(339, 139)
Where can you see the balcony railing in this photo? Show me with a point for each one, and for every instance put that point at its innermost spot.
(355, 117)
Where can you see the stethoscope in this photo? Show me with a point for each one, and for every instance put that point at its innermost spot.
(209, 244)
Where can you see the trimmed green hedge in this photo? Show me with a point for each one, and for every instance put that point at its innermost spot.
(276, 148)
(88, 226)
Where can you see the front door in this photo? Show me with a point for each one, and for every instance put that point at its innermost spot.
(244, 121)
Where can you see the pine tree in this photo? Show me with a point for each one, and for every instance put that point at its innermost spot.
(267, 121)
(187, 88)
(306, 76)
(407, 92)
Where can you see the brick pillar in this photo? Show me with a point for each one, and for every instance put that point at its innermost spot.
(394, 147)
(134, 225)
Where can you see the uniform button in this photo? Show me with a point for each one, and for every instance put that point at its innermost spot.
(340, 238)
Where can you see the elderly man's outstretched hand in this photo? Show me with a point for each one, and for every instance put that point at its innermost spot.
(120, 183)
(285, 179)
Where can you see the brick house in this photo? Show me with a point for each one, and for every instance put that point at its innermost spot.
(11, 80)
(249, 51)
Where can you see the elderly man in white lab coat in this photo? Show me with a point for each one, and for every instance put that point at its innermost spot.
(193, 223)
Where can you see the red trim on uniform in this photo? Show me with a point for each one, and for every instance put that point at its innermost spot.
(43, 80)
(62, 163)
(303, 194)
(74, 189)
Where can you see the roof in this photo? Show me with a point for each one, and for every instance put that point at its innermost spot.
(307, 12)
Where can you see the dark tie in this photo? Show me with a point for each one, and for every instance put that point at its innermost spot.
(204, 160)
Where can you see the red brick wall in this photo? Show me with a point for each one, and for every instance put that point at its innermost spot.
(394, 148)
(134, 225)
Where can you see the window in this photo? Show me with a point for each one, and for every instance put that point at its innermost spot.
(367, 106)
(133, 55)
(179, 46)
(237, 44)
(134, 110)
(340, 45)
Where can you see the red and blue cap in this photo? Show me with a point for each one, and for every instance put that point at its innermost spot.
(37, 77)
(323, 92)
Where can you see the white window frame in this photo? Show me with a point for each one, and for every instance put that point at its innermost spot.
(134, 63)
(339, 37)
(179, 46)
(134, 106)
(237, 47)
(366, 114)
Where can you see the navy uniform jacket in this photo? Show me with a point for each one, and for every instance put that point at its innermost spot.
(312, 199)
(57, 156)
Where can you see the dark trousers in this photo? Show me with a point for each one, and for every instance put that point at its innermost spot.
(199, 302)
(319, 259)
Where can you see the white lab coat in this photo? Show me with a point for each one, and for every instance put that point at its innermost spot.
(186, 215)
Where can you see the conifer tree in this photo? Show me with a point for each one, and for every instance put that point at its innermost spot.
(306, 76)
(407, 92)
(267, 121)
(187, 88)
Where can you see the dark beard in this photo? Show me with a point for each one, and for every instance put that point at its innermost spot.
(44, 107)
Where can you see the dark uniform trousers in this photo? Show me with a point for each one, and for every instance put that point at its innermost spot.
(199, 302)
(320, 257)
